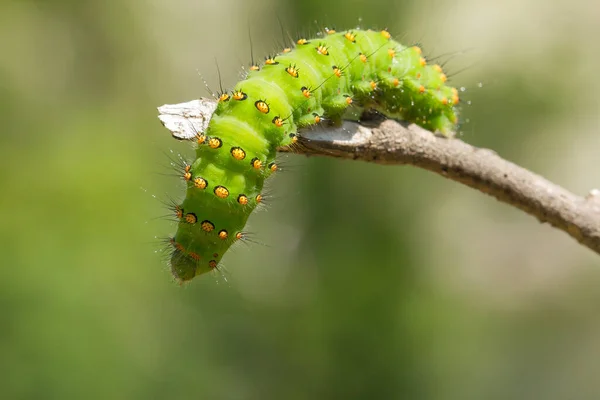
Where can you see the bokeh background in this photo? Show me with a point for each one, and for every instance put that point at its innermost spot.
(407, 286)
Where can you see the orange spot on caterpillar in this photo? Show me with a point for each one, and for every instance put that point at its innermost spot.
(178, 246)
(337, 71)
(221, 192)
(396, 82)
(443, 78)
(254, 68)
(273, 167)
(262, 106)
(305, 91)
(444, 101)
(351, 36)
(373, 85)
(223, 97)
(271, 61)
(278, 122)
(294, 137)
(187, 175)
(215, 255)
(200, 183)
(238, 153)
(437, 68)
(207, 226)
(195, 256)
(348, 100)
(418, 75)
(178, 212)
(239, 235)
(256, 163)
(363, 57)
(329, 31)
(386, 34)
(259, 198)
(417, 50)
(423, 62)
(239, 95)
(292, 70)
(421, 89)
(455, 98)
(212, 264)
(321, 49)
(286, 50)
(317, 118)
(200, 139)
(191, 218)
(391, 53)
(302, 41)
(242, 199)
(215, 143)
(223, 234)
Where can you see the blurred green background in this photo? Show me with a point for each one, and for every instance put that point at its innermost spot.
(421, 290)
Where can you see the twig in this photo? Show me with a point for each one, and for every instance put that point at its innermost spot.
(393, 143)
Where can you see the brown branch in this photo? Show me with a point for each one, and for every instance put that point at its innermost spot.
(392, 143)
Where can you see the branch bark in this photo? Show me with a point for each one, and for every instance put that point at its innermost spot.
(393, 143)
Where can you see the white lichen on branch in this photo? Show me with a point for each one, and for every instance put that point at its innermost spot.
(184, 120)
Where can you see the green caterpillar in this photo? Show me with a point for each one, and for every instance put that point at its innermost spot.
(320, 78)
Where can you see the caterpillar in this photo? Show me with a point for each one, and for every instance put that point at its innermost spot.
(319, 79)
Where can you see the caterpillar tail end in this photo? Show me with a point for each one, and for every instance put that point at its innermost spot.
(184, 268)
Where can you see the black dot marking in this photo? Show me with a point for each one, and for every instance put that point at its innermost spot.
(207, 226)
(293, 71)
(238, 153)
(215, 143)
(278, 121)
(351, 36)
(262, 106)
(239, 95)
(221, 192)
(256, 163)
(271, 61)
(337, 71)
(191, 218)
(322, 49)
(200, 183)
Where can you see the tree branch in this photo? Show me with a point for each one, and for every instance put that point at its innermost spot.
(393, 143)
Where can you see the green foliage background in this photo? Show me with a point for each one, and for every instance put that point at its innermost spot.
(380, 282)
